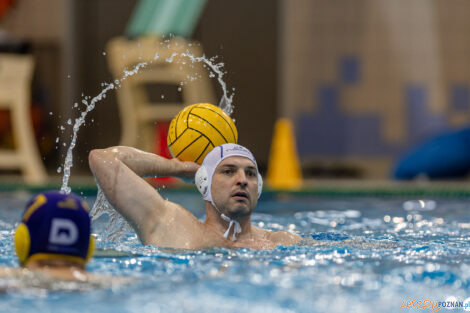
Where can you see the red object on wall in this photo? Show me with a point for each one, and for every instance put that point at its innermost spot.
(4, 6)
(161, 148)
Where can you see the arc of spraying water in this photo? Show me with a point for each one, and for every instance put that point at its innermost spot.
(225, 103)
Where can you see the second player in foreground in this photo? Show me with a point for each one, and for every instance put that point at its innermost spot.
(228, 180)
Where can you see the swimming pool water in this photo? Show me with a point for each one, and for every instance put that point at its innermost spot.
(358, 255)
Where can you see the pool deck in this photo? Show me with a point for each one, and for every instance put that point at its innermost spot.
(85, 185)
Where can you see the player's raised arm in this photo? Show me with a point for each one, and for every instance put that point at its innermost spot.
(119, 171)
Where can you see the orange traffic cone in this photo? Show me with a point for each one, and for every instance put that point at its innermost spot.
(283, 166)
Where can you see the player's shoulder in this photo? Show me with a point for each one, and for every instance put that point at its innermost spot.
(278, 238)
(284, 238)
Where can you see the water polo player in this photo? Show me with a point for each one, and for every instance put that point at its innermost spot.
(53, 243)
(54, 235)
(228, 180)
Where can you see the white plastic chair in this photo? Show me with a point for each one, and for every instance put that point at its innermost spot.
(138, 115)
(15, 96)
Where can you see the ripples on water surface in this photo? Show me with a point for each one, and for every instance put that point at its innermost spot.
(358, 255)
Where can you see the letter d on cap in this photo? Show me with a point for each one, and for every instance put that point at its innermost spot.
(63, 232)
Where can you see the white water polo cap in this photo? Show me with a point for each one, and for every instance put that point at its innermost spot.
(204, 174)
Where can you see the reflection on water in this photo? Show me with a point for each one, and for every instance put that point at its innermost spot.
(25, 281)
(357, 255)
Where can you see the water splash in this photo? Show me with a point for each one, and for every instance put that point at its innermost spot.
(218, 69)
(117, 225)
(225, 104)
(68, 163)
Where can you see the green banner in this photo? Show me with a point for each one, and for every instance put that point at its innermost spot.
(164, 17)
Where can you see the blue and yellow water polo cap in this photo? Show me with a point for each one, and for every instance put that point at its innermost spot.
(54, 226)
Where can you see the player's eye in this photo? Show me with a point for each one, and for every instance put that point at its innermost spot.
(251, 173)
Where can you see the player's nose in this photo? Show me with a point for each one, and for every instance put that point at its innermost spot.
(242, 180)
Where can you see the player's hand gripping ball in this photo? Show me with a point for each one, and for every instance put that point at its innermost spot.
(197, 129)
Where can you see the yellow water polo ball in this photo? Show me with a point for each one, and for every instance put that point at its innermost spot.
(197, 129)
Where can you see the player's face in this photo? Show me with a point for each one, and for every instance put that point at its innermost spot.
(235, 186)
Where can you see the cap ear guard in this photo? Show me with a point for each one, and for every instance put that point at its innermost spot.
(91, 249)
(201, 179)
(260, 185)
(22, 243)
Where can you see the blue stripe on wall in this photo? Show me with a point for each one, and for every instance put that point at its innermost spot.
(422, 122)
(350, 70)
(460, 98)
(331, 132)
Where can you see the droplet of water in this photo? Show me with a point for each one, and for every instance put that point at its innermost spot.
(419, 205)
(163, 96)
(69, 121)
(104, 53)
(59, 169)
(170, 59)
(50, 113)
(57, 140)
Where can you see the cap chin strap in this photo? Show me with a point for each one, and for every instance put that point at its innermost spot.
(236, 230)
